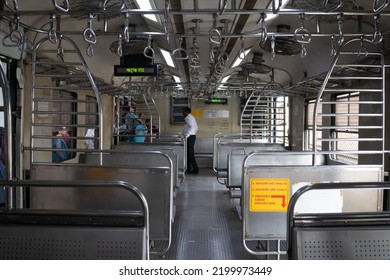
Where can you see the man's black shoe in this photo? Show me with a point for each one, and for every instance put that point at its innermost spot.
(194, 171)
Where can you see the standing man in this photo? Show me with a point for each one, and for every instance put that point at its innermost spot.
(189, 131)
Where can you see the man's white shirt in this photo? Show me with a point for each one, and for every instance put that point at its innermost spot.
(191, 127)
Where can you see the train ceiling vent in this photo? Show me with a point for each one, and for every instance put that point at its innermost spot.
(256, 66)
(283, 45)
(132, 46)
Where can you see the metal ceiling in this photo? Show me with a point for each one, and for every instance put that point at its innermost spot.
(212, 33)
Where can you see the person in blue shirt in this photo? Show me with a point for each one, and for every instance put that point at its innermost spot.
(59, 142)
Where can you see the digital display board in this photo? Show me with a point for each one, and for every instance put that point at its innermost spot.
(135, 70)
(222, 101)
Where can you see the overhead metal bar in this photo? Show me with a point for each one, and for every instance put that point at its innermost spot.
(198, 12)
(256, 12)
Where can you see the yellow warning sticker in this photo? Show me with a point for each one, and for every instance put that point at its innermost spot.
(269, 194)
(197, 113)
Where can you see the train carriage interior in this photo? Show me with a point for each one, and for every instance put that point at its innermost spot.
(289, 97)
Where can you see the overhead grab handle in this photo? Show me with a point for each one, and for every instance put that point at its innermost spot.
(241, 53)
(15, 8)
(378, 36)
(65, 5)
(149, 49)
(15, 37)
(275, 9)
(60, 49)
(263, 29)
(126, 27)
(52, 33)
(166, 20)
(340, 24)
(105, 5)
(302, 36)
(377, 8)
(180, 53)
(215, 36)
(363, 50)
(331, 8)
(89, 34)
(222, 7)
(119, 50)
(333, 51)
(273, 47)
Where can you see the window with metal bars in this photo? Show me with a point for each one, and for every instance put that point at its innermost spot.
(346, 110)
(309, 125)
(66, 116)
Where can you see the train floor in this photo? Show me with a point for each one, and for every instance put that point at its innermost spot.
(206, 226)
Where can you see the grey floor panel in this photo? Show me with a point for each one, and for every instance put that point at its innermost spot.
(206, 225)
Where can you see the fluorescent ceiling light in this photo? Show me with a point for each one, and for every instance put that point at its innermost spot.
(167, 57)
(178, 81)
(224, 79)
(271, 16)
(239, 59)
(147, 5)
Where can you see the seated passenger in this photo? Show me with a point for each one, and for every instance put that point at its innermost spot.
(140, 130)
(59, 142)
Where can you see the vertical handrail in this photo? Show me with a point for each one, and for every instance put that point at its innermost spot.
(8, 142)
(362, 51)
(89, 76)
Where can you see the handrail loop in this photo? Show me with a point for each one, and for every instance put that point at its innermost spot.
(363, 50)
(105, 5)
(15, 36)
(340, 25)
(119, 50)
(105, 24)
(60, 48)
(302, 36)
(378, 8)
(126, 24)
(223, 58)
(27, 45)
(13, 9)
(166, 19)
(89, 34)
(275, 9)
(221, 6)
(180, 53)
(241, 53)
(378, 36)
(215, 36)
(212, 55)
(333, 51)
(149, 48)
(263, 29)
(273, 47)
(332, 8)
(52, 33)
(90, 50)
(65, 6)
